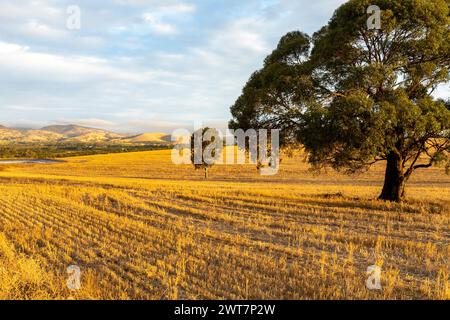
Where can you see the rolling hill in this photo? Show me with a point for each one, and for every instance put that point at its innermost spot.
(149, 138)
(77, 134)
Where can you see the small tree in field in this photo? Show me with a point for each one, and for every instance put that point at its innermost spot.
(353, 96)
(205, 146)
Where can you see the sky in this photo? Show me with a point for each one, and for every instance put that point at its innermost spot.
(138, 65)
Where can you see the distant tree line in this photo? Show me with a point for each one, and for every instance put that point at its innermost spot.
(42, 151)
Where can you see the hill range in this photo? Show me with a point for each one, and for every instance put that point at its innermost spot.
(77, 134)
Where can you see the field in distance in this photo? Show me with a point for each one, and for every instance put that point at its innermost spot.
(140, 227)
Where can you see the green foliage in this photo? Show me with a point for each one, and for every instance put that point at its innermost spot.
(354, 96)
(42, 151)
(204, 143)
(276, 96)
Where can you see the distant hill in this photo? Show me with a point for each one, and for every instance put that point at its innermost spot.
(70, 130)
(30, 136)
(74, 133)
(150, 138)
(77, 134)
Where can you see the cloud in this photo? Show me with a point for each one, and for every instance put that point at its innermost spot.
(442, 91)
(167, 5)
(242, 35)
(21, 10)
(36, 29)
(96, 123)
(140, 65)
(12, 49)
(25, 108)
(158, 26)
(172, 11)
(157, 19)
(176, 8)
(197, 82)
(23, 61)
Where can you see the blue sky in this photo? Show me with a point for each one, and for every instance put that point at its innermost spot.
(138, 65)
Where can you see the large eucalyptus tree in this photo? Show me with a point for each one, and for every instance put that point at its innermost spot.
(353, 96)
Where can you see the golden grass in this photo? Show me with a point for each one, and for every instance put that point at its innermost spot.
(142, 228)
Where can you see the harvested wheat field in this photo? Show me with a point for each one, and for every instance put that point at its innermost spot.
(140, 227)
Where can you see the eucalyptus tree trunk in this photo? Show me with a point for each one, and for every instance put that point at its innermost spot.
(394, 180)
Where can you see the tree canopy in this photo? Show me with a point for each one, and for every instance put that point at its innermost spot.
(354, 96)
(206, 148)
